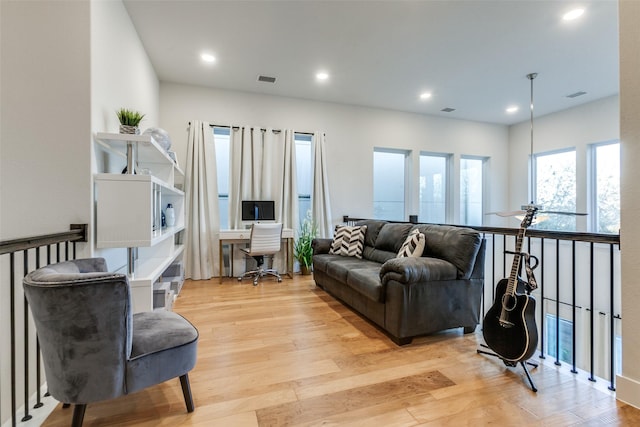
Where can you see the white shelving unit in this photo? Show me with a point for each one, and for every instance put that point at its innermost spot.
(129, 209)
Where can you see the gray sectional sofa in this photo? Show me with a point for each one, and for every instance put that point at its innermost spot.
(408, 297)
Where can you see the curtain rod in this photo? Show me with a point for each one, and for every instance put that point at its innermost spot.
(262, 129)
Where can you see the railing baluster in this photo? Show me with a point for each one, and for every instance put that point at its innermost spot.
(12, 297)
(612, 332)
(557, 362)
(27, 417)
(542, 310)
(573, 307)
(39, 403)
(591, 317)
(493, 267)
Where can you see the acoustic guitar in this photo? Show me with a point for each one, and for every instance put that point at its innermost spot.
(509, 327)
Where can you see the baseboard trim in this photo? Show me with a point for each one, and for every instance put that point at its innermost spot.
(628, 391)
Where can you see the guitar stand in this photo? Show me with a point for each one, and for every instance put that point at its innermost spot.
(513, 364)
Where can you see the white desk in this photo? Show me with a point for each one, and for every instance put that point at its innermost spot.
(231, 237)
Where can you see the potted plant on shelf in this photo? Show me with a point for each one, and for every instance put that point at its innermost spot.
(129, 121)
(302, 249)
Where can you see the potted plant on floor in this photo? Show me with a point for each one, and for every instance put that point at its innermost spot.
(129, 121)
(302, 249)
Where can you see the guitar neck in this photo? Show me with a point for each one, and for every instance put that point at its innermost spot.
(515, 266)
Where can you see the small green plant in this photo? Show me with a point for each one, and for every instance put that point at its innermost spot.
(129, 117)
(302, 249)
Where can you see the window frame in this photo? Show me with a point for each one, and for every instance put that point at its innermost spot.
(448, 193)
(406, 184)
(592, 186)
(533, 186)
(484, 160)
(305, 137)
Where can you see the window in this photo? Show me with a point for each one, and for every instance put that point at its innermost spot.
(221, 141)
(606, 188)
(555, 188)
(471, 186)
(389, 183)
(433, 187)
(304, 172)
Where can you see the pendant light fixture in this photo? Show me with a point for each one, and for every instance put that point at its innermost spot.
(531, 76)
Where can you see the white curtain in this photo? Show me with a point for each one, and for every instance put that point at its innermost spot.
(202, 222)
(320, 203)
(263, 168)
(288, 187)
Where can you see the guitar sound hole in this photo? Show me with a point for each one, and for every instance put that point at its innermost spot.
(509, 302)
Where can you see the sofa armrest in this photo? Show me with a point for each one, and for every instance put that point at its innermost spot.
(321, 246)
(415, 270)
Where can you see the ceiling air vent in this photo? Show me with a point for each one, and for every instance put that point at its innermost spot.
(448, 109)
(266, 79)
(577, 94)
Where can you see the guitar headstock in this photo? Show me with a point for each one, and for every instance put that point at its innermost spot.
(529, 215)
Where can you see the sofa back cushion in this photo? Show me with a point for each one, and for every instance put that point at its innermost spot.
(388, 242)
(373, 229)
(458, 245)
(392, 236)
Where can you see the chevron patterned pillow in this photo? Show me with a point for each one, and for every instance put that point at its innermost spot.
(348, 240)
(413, 245)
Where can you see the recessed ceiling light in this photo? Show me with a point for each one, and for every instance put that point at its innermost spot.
(425, 95)
(573, 14)
(512, 109)
(322, 75)
(207, 57)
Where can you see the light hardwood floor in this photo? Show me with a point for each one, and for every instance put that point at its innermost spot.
(283, 354)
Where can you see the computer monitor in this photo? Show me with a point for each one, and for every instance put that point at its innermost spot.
(258, 210)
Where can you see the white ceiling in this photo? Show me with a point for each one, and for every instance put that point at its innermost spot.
(472, 55)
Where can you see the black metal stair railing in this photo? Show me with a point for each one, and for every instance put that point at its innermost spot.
(21, 256)
(570, 256)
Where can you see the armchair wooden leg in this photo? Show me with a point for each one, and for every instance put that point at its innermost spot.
(78, 415)
(186, 391)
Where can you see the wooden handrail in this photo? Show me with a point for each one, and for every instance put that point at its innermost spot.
(77, 233)
(541, 234)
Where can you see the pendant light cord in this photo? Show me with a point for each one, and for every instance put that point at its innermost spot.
(531, 77)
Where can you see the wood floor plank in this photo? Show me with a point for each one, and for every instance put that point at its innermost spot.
(288, 354)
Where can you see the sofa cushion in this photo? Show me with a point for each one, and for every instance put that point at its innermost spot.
(348, 240)
(392, 236)
(458, 245)
(366, 281)
(413, 245)
(337, 267)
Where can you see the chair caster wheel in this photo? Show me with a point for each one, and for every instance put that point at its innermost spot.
(255, 283)
(279, 279)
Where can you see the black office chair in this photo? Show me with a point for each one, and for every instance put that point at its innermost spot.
(265, 240)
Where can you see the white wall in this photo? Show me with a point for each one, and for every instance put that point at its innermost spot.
(628, 384)
(66, 66)
(45, 117)
(577, 128)
(45, 172)
(121, 72)
(351, 134)
(121, 77)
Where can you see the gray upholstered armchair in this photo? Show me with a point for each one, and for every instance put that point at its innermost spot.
(93, 347)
